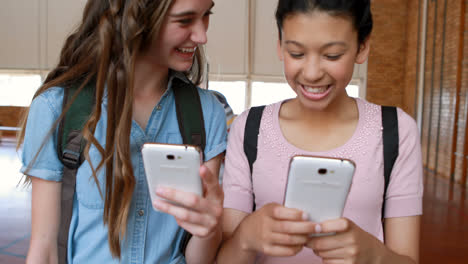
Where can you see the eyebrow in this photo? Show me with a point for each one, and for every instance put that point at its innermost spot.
(338, 43)
(189, 13)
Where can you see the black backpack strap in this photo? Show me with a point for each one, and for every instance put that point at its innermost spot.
(252, 128)
(191, 123)
(189, 113)
(69, 148)
(390, 145)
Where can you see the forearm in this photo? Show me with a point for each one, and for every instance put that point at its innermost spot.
(45, 221)
(203, 250)
(391, 257)
(233, 250)
(38, 254)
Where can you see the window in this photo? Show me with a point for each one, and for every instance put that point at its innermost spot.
(352, 90)
(234, 93)
(264, 93)
(18, 89)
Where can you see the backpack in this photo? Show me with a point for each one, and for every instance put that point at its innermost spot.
(389, 135)
(71, 143)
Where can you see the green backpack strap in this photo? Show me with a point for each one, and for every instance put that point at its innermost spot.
(191, 124)
(189, 113)
(70, 146)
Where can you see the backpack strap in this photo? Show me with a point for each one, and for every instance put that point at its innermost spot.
(191, 124)
(252, 128)
(70, 146)
(390, 145)
(189, 113)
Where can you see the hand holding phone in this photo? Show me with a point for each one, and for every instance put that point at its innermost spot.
(319, 186)
(173, 166)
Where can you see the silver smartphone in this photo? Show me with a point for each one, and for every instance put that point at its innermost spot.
(319, 186)
(174, 166)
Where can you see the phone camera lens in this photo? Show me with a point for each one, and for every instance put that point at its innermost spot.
(322, 171)
(170, 157)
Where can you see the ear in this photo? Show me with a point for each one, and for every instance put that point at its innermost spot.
(279, 50)
(363, 52)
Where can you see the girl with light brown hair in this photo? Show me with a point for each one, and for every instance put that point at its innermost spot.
(130, 51)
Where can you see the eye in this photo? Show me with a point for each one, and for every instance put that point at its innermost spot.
(333, 57)
(209, 13)
(185, 21)
(296, 55)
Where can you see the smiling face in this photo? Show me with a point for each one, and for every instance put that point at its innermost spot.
(319, 52)
(182, 31)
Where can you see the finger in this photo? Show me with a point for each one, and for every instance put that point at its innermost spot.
(336, 254)
(334, 261)
(185, 199)
(210, 183)
(196, 230)
(288, 239)
(184, 214)
(336, 225)
(284, 213)
(293, 227)
(281, 251)
(329, 242)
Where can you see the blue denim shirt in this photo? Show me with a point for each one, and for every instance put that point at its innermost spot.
(152, 237)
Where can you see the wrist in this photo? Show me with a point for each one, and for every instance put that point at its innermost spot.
(243, 236)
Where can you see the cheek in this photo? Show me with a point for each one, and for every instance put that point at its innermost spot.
(342, 71)
(291, 67)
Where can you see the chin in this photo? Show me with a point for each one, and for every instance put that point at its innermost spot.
(316, 106)
(182, 67)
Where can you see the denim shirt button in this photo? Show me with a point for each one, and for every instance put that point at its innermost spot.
(141, 212)
(158, 107)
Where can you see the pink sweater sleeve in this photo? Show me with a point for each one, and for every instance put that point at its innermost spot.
(237, 185)
(405, 190)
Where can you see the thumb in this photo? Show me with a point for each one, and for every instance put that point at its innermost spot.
(209, 180)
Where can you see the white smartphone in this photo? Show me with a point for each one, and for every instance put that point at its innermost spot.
(174, 166)
(319, 186)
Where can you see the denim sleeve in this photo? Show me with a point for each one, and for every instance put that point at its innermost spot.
(39, 150)
(215, 125)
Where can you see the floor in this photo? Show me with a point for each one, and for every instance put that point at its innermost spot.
(444, 235)
(15, 207)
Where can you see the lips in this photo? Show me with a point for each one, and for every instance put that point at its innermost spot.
(316, 92)
(186, 52)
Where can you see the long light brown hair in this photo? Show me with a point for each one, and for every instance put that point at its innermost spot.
(103, 50)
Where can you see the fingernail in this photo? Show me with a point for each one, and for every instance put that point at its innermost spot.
(318, 228)
(161, 190)
(305, 216)
(156, 203)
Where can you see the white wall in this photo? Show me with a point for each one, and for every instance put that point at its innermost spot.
(36, 29)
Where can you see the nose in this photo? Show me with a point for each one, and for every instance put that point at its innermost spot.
(312, 70)
(199, 32)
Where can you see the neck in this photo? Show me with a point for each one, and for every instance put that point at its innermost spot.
(150, 79)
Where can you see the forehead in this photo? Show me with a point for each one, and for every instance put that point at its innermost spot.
(191, 5)
(318, 26)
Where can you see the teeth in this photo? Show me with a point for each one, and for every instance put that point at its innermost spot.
(187, 50)
(317, 89)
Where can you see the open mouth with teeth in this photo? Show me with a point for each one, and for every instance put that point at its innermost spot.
(315, 92)
(186, 52)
